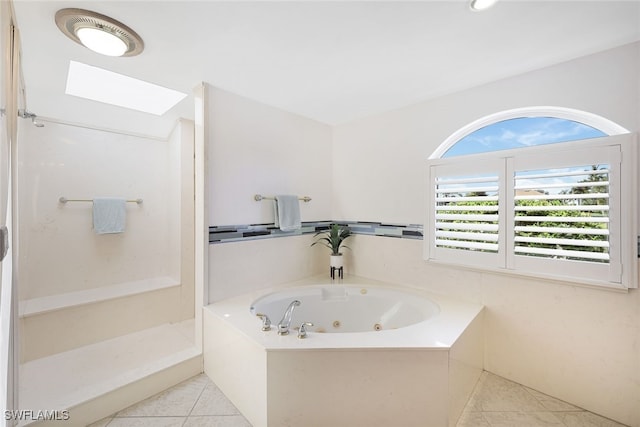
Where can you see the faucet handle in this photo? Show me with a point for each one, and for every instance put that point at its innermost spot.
(302, 333)
(266, 322)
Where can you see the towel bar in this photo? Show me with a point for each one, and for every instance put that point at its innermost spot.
(65, 200)
(259, 197)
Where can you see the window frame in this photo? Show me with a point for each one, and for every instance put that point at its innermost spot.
(623, 217)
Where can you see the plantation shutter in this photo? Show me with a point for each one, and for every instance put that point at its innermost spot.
(564, 211)
(556, 220)
(466, 212)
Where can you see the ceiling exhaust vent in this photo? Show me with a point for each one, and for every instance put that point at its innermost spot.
(99, 33)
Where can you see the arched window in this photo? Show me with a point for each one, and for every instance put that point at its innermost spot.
(523, 127)
(540, 191)
(522, 132)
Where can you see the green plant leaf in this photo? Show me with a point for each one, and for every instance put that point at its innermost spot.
(333, 238)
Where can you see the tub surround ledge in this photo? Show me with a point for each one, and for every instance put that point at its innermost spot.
(442, 330)
(418, 374)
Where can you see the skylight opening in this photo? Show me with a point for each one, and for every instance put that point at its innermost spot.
(97, 84)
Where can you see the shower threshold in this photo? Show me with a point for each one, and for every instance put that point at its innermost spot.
(83, 381)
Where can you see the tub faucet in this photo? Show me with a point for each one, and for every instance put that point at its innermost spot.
(285, 322)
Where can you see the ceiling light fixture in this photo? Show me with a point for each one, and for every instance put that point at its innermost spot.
(481, 4)
(99, 33)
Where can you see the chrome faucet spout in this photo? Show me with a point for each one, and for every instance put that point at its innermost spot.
(285, 322)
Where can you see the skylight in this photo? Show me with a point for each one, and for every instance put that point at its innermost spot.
(97, 84)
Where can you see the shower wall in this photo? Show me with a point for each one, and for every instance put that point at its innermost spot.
(60, 252)
(78, 287)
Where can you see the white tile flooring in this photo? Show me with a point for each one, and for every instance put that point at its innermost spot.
(495, 402)
(192, 403)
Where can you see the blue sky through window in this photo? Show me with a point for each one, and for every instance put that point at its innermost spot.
(522, 132)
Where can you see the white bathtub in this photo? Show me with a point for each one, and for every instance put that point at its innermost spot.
(343, 308)
(377, 355)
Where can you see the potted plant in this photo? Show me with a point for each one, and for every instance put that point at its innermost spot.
(334, 239)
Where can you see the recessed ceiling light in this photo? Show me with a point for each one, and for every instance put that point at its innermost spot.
(101, 42)
(481, 4)
(97, 84)
(99, 32)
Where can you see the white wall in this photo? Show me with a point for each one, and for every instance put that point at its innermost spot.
(578, 344)
(255, 148)
(59, 250)
(240, 267)
(181, 213)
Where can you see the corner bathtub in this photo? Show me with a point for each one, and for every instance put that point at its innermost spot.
(377, 355)
(346, 308)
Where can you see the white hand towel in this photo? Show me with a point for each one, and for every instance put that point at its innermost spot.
(287, 213)
(109, 215)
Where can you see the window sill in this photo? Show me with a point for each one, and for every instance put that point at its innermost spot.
(567, 281)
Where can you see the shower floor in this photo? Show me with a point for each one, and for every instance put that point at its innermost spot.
(70, 379)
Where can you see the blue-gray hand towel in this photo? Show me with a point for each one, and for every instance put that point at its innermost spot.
(287, 213)
(109, 215)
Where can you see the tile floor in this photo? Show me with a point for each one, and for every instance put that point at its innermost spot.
(495, 402)
(192, 403)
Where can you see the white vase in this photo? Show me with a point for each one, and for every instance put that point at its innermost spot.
(336, 261)
(335, 265)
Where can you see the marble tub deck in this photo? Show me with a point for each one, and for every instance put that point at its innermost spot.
(495, 402)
